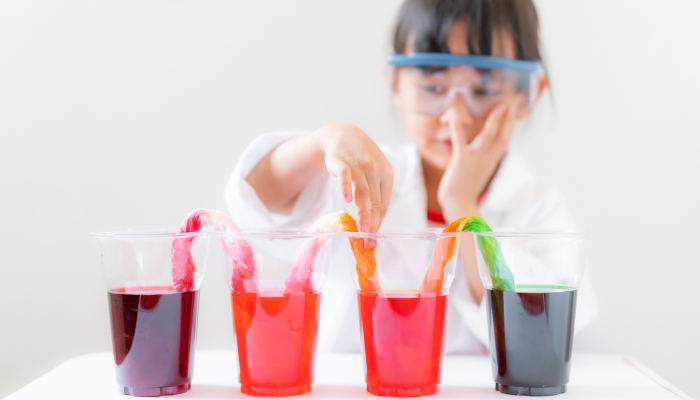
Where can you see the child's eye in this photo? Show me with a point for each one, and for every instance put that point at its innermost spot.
(486, 92)
(433, 89)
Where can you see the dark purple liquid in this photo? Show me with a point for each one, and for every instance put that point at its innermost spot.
(153, 337)
(531, 335)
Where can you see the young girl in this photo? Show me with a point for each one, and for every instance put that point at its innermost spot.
(463, 73)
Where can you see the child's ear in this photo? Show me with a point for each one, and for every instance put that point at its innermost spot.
(543, 84)
(393, 74)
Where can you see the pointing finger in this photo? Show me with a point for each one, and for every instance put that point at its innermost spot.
(458, 136)
(341, 171)
(362, 200)
(375, 204)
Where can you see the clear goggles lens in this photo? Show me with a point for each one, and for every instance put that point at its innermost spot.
(435, 81)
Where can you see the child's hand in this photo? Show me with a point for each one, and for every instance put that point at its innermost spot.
(473, 164)
(362, 170)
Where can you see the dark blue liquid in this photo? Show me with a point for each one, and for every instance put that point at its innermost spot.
(531, 336)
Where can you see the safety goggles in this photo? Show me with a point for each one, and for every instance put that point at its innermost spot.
(434, 81)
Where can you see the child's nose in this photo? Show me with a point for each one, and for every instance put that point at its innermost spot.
(458, 105)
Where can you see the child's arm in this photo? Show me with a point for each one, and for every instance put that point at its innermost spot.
(346, 152)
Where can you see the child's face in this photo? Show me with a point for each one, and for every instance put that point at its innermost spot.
(430, 132)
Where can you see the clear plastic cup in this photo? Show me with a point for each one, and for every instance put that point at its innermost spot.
(531, 329)
(402, 328)
(154, 326)
(276, 325)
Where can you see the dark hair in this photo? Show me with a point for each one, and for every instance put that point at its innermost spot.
(430, 21)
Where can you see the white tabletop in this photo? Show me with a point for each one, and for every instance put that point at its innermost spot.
(340, 376)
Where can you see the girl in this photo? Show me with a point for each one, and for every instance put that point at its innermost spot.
(463, 73)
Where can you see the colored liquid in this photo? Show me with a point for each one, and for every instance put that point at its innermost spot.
(276, 337)
(531, 334)
(153, 337)
(403, 337)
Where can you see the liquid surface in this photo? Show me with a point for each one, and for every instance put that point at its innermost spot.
(153, 336)
(531, 335)
(403, 338)
(276, 337)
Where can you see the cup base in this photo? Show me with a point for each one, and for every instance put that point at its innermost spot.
(396, 392)
(531, 391)
(154, 391)
(275, 392)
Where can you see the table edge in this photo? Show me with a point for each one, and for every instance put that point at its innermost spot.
(649, 373)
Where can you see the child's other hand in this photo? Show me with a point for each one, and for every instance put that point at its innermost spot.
(363, 172)
(473, 164)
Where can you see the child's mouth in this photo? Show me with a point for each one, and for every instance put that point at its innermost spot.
(447, 143)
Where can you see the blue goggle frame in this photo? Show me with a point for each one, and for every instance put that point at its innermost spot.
(449, 59)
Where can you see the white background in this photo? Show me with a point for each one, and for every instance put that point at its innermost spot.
(133, 113)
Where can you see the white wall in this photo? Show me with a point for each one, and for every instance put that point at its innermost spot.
(132, 113)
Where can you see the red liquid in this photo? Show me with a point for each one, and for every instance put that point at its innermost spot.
(403, 336)
(153, 337)
(276, 337)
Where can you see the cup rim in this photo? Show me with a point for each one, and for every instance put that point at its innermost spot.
(296, 234)
(425, 233)
(534, 233)
(137, 232)
(274, 234)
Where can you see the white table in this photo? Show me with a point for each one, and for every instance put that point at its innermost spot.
(340, 376)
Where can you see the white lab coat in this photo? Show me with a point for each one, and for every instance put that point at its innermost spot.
(515, 199)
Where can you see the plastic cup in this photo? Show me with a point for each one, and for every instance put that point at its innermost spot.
(403, 330)
(531, 329)
(153, 326)
(276, 328)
